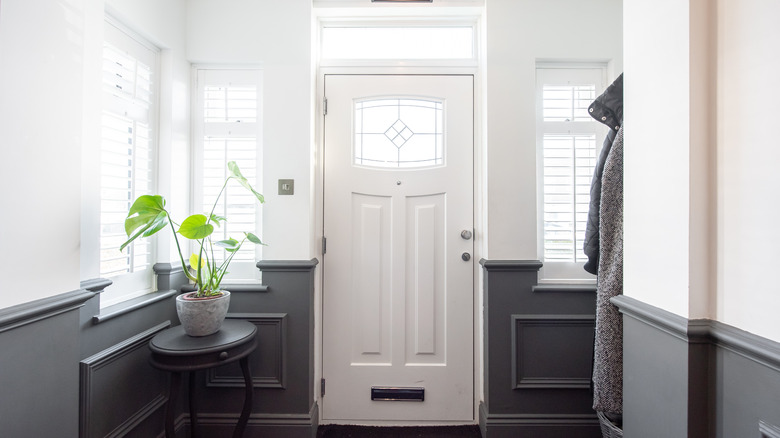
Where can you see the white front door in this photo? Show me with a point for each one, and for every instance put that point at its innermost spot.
(397, 272)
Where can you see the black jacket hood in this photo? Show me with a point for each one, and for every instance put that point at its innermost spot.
(608, 108)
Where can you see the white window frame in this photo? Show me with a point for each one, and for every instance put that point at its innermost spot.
(240, 272)
(401, 24)
(563, 73)
(134, 284)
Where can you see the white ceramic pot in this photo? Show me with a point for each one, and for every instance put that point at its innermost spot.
(202, 316)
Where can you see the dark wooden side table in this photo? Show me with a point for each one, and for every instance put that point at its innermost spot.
(175, 351)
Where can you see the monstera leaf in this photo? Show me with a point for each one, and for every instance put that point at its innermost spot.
(236, 173)
(196, 227)
(146, 217)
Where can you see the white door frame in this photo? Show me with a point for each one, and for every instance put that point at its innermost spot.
(480, 220)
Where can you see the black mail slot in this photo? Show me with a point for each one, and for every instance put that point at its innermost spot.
(390, 393)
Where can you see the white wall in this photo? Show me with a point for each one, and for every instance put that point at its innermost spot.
(748, 160)
(518, 34)
(162, 24)
(41, 55)
(51, 56)
(700, 164)
(656, 168)
(275, 35)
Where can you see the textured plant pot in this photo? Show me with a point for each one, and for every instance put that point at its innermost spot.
(202, 316)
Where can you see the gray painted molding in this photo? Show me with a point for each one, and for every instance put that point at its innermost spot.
(30, 312)
(511, 265)
(548, 288)
(663, 320)
(277, 321)
(287, 265)
(169, 276)
(726, 378)
(167, 268)
(89, 367)
(259, 424)
(537, 354)
(754, 347)
(132, 422)
(96, 284)
(237, 288)
(132, 305)
(550, 322)
(768, 430)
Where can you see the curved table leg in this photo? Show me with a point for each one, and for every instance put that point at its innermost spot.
(248, 391)
(193, 413)
(173, 392)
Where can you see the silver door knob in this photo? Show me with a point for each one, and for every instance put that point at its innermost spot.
(465, 256)
(465, 234)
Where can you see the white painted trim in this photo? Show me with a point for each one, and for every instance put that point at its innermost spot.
(440, 67)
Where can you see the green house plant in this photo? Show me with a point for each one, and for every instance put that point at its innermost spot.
(201, 312)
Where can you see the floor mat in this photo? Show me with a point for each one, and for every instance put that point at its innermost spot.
(339, 431)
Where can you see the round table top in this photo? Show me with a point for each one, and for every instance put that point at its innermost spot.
(174, 342)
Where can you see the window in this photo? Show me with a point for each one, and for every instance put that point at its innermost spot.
(399, 133)
(227, 117)
(569, 142)
(127, 158)
(367, 42)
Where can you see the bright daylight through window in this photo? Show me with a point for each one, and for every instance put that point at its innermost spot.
(456, 42)
(568, 147)
(127, 158)
(227, 122)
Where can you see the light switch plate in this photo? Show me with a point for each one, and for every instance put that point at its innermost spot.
(286, 186)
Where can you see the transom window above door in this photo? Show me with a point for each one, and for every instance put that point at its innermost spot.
(398, 132)
(380, 41)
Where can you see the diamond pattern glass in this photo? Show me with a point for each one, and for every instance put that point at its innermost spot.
(399, 133)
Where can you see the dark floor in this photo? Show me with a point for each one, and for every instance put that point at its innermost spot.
(338, 431)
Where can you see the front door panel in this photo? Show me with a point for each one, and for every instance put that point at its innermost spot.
(397, 287)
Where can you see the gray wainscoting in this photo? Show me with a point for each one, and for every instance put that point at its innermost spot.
(538, 353)
(696, 378)
(282, 366)
(39, 382)
(71, 369)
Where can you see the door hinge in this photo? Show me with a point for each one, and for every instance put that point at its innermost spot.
(322, 388)
(324, 245)
(324, 106)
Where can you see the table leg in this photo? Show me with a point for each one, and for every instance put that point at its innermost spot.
(170, 407)
(193, 413)
(248, 391)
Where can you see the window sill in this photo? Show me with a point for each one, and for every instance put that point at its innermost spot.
(128, 306)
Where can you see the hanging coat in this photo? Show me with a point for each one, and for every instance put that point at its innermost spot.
(608, 346)
(606, 109)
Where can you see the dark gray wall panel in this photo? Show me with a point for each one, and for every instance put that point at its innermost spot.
(696, 378)
(282, 365)
(119, 388)
(655, 382)
(552, 351)
(269, 369)
(260, 425)
(538, 350)
(38, 377)
(748, 381)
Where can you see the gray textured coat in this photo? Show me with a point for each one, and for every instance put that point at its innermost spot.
(606, 109)
(608, 348)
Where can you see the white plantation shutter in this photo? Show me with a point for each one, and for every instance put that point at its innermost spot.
(228, 129)
(569, 142)
(127, 158)
(568, 167)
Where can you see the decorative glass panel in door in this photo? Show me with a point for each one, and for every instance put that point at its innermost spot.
(399, 132)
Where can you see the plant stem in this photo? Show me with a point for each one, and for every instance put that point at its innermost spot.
(178, 248)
